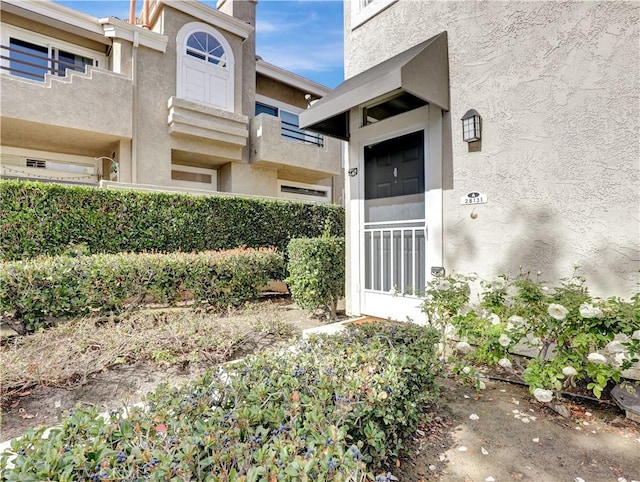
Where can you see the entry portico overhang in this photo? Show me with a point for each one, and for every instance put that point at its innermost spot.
(422, 72)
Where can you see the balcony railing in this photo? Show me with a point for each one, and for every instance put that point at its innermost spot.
(30, 65)
(293, 132)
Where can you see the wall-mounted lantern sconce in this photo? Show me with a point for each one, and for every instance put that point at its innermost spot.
(471, 126)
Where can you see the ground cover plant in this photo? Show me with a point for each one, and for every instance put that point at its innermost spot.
(576, 337)
(41, 291)
(51, 219)
(330, 408)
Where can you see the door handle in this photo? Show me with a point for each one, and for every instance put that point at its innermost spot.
(395, 172)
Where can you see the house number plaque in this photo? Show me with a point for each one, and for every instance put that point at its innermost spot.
(474, 198)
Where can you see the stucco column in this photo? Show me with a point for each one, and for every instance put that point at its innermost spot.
(123, 158)
(240, 178)
(245, 10)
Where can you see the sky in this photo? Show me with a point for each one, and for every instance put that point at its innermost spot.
(302, 36)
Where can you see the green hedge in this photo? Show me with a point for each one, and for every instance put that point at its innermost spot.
(316, 272)
(50, 219)
(330, 409)
(42, 290)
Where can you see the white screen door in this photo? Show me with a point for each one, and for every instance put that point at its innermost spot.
(394, 232)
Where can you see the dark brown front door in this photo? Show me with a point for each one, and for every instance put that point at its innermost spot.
(395, 167)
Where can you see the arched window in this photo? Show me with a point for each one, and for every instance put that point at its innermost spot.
(205, 66)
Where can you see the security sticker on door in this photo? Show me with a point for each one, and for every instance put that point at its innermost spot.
(474, 198)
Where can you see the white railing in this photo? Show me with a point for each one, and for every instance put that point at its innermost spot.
(395, 256)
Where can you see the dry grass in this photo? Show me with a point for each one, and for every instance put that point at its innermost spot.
(66, 355)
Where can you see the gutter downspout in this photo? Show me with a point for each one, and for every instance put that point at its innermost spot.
(134, 107)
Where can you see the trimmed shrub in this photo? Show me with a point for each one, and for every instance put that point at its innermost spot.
(42, 290)
(330, 409)
(50, 219)
(316, 273)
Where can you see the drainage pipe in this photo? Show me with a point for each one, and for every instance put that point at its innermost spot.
(134, 108)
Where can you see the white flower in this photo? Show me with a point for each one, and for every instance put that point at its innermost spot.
(444, 284)
(466, 370)
(516, 320)
(504, 340)
(587, 310)
(494, 319)
(543, 395)
(636, 335)
(597, 358)
(510, 327)
(504, 363)
(557, 311)
(569, 371)
(463, 347)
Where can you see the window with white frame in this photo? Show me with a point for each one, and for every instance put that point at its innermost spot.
(31, 56)
(205, 66)
(363, 10)
(289, 119)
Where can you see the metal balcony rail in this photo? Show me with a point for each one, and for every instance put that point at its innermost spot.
(293, 132)
(38, 70)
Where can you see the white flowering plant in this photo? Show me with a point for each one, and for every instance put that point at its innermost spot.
(574, 336)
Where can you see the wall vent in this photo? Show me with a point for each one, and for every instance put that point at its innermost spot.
(39, 163)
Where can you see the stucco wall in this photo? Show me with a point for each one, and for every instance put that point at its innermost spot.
(277, 90)
(156, 84)
(49, 31)
(557, 87)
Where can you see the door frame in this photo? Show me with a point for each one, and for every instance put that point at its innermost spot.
(430, 121)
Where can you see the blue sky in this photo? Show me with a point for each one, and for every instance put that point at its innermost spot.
(303, 36)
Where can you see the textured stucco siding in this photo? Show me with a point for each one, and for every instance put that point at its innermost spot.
(97, 101)
(557, 86)
(277, 90)
(157, 83)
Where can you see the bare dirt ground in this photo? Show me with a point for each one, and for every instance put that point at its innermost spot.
(504, 434)
(501, 434)
(279, 319)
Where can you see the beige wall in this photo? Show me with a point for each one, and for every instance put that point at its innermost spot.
(156, 84)
(49, 31)
(277, 90)
(132, 114)
(556, 84)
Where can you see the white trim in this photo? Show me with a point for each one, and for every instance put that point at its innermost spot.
(205, 14)
(430, 121)
(362, 14)
(229, 69)
(9, 31)
(116, 28)
(289, 78)
(59, 12)
(263, 99)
